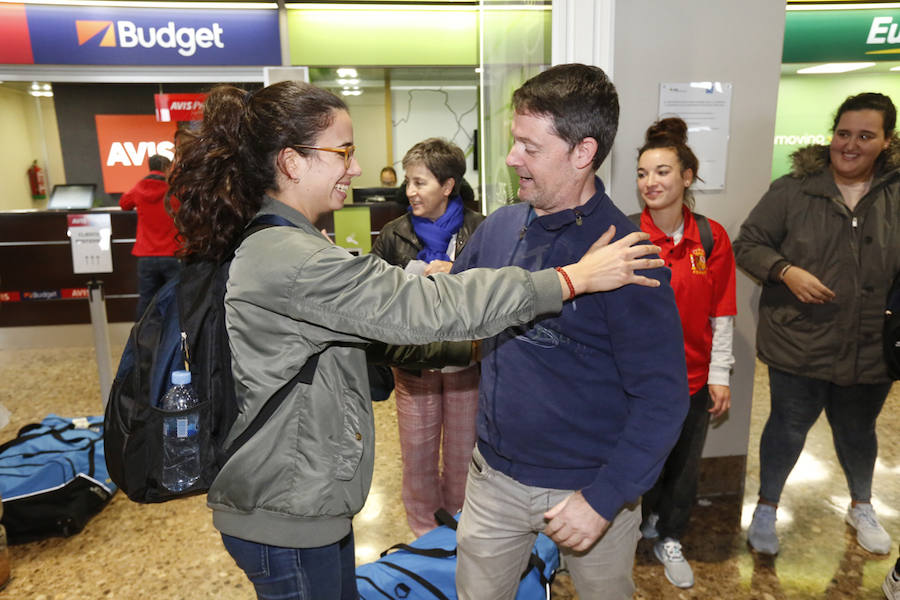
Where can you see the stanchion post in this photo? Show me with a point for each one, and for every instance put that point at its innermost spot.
(100, 328)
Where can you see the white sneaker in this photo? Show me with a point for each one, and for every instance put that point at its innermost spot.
(761, 535)
(869, 532)
(891, 587)
(678, 571)
(648, 527)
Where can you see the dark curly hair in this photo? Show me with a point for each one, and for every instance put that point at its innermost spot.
(223, 168)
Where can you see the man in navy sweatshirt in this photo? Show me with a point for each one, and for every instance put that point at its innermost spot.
(577, 413)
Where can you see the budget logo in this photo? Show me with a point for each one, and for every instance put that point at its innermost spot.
(89, 30)
(184, 40)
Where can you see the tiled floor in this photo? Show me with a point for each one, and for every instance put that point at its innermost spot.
(171, 550)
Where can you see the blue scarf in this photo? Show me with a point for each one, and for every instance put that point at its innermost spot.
(436, 235)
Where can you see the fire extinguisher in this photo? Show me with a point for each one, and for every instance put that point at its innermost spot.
(37, 182)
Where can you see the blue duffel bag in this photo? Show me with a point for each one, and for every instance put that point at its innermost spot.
(426, 568)
(53, 478)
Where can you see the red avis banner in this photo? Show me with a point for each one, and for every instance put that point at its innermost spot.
(125, 143)
(179, 107)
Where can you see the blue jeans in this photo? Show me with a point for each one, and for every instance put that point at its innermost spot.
(673, 494)
(324, 573)
(797, 402)
(153, 273)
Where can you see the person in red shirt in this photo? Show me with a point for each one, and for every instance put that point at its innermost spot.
(704, 287)
(156, 242)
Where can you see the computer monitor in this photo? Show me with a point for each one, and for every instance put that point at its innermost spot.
(72, 195)
(375, 194)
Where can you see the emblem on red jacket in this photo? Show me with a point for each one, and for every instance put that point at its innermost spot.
(698, 261)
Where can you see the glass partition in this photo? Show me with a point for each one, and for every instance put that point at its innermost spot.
(515, 45)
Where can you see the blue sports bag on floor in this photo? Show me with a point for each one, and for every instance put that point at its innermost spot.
(426, 568)
(53, 478)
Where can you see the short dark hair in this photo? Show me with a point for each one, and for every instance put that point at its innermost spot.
(581, 101)
(444, 159)
(870, 101)
(158, 162)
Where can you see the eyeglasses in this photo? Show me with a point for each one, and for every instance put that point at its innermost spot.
(347, 151)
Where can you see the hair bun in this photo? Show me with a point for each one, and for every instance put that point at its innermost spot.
(672, 129)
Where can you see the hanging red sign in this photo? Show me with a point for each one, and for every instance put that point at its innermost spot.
(179, 107)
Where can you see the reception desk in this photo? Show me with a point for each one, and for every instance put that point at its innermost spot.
(38, 285)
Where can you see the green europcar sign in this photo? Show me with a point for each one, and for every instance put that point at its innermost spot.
(841, 35)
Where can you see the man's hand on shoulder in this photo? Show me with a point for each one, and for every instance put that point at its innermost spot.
(574, 524)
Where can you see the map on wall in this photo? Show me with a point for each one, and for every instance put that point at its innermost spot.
(449, 112)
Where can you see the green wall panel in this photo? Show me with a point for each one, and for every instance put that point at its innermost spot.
(367, 36)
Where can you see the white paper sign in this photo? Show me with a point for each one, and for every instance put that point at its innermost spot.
(90, 236)
(706, 108)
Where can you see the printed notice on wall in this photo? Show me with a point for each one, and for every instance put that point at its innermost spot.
(706, 108)
(90, 237)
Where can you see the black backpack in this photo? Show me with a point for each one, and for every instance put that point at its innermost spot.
(182, 328)
(891, 331)
(706, 236)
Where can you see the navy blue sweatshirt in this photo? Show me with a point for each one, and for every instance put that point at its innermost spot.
(592, 399)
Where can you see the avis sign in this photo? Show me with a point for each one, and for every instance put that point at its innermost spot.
(125, 143)
(179, 107)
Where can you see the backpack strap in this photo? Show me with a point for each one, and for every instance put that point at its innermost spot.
(304, 375)
(706, 236)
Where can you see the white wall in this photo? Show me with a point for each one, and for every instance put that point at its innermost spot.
(28, 126)
(421, 112)
(733, 41)
(20, 149)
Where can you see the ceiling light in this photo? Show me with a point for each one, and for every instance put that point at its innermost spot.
(835, 68)
(347, 72)
(351, 92)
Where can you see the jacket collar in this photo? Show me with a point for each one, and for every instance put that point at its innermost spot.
(811, 164)
(271, 206)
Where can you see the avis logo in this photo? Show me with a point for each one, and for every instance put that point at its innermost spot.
(185, 39)
(127, 155)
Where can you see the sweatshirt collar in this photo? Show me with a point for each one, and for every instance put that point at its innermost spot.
(563, 218)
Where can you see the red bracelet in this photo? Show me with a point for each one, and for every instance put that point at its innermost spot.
(568, 282)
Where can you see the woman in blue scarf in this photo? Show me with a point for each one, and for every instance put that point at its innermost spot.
(435, 408)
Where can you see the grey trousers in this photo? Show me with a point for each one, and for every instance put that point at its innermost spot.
(499, 524)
